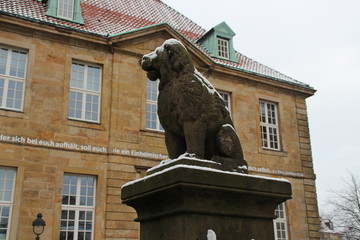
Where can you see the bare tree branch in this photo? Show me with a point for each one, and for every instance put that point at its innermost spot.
(346, 203)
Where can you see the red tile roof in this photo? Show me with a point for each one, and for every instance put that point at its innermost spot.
(112, 17)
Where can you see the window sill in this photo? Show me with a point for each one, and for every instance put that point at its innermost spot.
(84, 124)
(152, 133)
(273, 152)
(11, 113)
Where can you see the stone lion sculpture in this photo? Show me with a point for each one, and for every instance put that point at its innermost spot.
(192, 113)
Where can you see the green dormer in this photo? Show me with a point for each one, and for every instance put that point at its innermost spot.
(218, 41)
(69, 10)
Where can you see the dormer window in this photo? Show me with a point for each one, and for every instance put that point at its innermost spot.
(218, 41)
(65, 9)
(223, 47)
(69, 10)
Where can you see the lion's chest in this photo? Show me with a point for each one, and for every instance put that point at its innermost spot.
(180, 102)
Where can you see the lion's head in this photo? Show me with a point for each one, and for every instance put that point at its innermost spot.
(171, 56)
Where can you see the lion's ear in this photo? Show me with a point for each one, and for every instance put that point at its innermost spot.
(174, 58)
(176, 63)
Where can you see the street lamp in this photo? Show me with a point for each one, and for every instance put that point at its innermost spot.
(38, 226)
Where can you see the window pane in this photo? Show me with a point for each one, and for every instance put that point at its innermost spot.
(78, 220)
(84, 97)
(2, 82)
(269, 127)
(86, 188)
(69, 190)
(14, 94)
(3, 233)
(7, 195)
(6, 184)
(152, 120)
(7, 180)
(93, 82)
(62, 235)
(226, 98)
(88, 236)
(262, 112)
(17, 64)
(12, 69)
(77, 75)
(67, 224)
(92, 107)
(65, 8)
(85, 224)
(223, 48)
(151, 90)
(75, 104)
(3, 60)
(280, 223)
(151, 116)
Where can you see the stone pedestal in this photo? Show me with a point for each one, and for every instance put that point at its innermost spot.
(184, 202)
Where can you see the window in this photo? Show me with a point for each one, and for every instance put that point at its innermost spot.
(269, 125)
(152, 119)
(65, 9)
(223, 47)
(7, 180)
(218, 41)
(78, 207)
(69, 10)
(280, 223)
(85, 88)
(12, 78)
(226, 98)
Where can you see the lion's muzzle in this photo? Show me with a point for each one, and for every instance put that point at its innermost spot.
(146, 63)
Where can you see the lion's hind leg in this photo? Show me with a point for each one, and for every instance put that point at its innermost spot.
(230, 151)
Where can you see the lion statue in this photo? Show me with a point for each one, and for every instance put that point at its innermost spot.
(192, 113)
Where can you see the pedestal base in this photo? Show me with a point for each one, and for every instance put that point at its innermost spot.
(184, 202)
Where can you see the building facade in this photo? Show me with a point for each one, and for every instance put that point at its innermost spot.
(78, 116)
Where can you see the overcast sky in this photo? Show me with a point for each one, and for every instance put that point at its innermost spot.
(313, 41)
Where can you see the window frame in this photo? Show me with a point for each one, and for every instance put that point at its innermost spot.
(8, 78)
(61, 8)
(52, 10)
(269, 131)
(77, 207)
(223, 47)
(280, 221)
(227, 101)
(9, 203)
(85, 93)
(155, 88)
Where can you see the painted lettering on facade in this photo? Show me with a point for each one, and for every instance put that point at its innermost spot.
(78, 147)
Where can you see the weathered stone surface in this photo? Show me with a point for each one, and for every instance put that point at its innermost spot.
(190, 110)
(184, 202)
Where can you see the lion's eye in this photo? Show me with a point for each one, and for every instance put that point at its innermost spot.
(167, 47)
